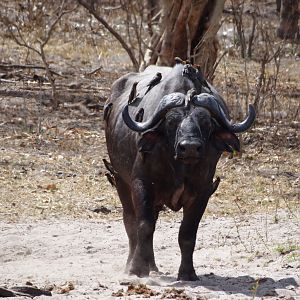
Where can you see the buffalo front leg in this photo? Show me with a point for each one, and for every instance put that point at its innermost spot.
(130, 226)
(129, 218)
(152, 264)
(187, 239)
(143, 258)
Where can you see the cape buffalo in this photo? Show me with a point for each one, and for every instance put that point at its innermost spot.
(164, 146)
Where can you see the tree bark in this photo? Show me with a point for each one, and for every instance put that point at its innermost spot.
(278, 5)
(289, 16)
(188, 30)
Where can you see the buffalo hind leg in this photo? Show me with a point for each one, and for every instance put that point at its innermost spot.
(187, 239)
(129, 218)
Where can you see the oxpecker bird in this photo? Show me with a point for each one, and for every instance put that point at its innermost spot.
(156, 80)
(180, 61)
(139, 116)
(196, 76)
(189, 96)
(106, 111)
(132, 95)
(202, 78)
(111, 175)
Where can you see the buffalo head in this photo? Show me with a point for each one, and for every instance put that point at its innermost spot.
(191, 124)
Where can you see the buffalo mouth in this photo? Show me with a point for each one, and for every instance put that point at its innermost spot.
(188, 160)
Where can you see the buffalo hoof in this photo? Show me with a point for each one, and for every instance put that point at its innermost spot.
(140, 271)
(187, 276)
(153, 268)
(135, 271)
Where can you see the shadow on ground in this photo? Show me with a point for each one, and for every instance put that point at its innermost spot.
(246, 285)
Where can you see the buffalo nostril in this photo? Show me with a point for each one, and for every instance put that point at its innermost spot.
(181, 148)
(190, 148)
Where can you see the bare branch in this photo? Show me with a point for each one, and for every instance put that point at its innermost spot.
(188, 37)
(49, 32)
(60, 15)
(20, 40)
(251, 38)
(211, 74)
(92, 11)
(18, 66)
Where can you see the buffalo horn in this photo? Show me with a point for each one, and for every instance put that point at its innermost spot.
(208, 101)
(166, 103)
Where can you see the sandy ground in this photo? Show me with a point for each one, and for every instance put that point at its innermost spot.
(241, 257)
(51, 169)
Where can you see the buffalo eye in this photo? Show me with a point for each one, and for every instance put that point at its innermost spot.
(206, 128)
(173, 120)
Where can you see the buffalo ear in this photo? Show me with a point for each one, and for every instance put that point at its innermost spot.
(226, 141)
(148, 140)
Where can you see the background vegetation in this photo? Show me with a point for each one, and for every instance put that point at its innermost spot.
(58, 61)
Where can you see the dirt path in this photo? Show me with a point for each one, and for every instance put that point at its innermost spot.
(249, 257)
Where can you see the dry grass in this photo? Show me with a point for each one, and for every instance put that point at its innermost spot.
(51, 162)
(59, 172)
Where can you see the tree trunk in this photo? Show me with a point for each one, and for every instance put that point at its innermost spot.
(278, 5)
(289, 16)
(187, 30)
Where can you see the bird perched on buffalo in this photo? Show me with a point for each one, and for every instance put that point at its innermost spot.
(111, 175)
(132, 95)
(202, 79)
(189, 96)
(196, 76)
(178, 60)
(140, 115)
(106, 111)
(156, 80)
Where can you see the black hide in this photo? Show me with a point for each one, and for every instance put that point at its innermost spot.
(168, 157)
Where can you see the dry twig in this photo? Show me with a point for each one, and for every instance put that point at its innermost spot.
(19, 66)
(89, 5)
(18, 37)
